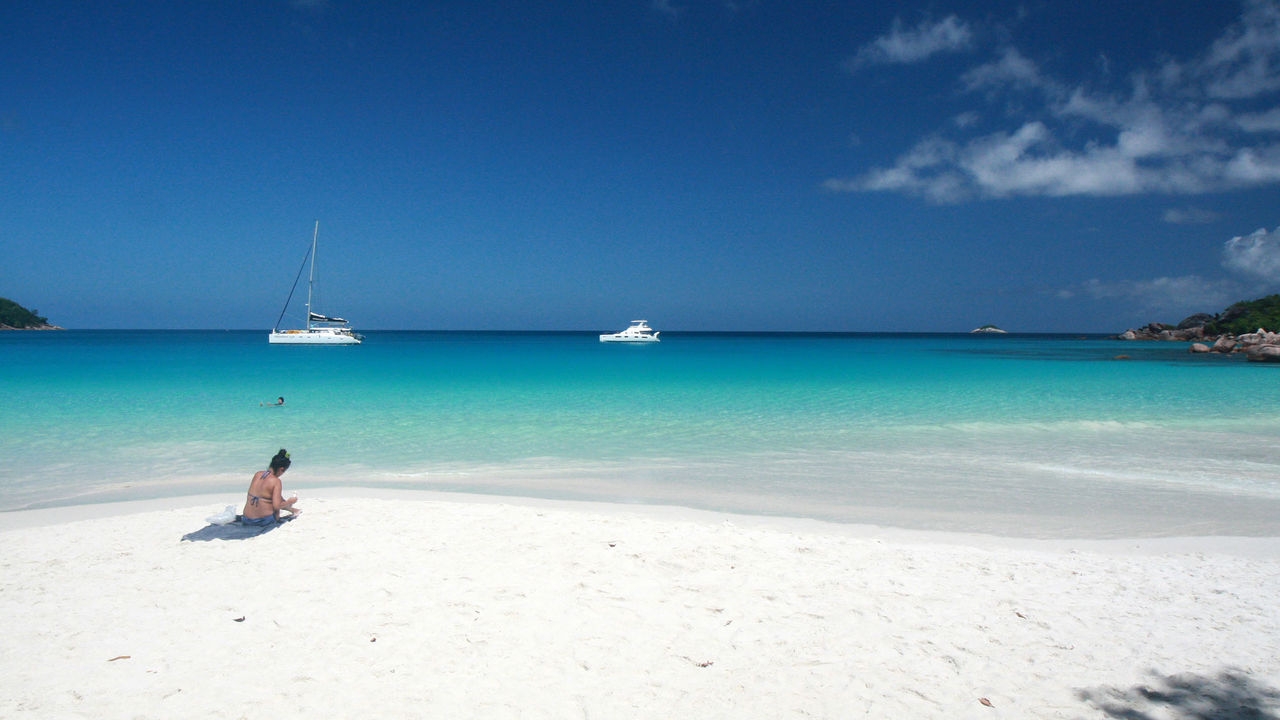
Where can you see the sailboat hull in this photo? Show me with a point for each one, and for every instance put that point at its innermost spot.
(314, 336)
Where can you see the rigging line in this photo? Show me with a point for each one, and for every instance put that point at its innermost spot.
(295, 287)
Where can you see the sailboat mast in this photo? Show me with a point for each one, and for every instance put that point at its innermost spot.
(311, 281)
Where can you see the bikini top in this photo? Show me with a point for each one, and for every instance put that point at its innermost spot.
(253, 499)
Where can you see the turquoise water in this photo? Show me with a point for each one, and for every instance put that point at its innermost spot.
(1027, 435)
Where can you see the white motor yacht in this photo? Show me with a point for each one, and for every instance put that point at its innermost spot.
(639, 332)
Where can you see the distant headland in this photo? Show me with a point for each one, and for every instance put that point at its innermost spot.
(15, 317)
(1241, 328)
(988, 329)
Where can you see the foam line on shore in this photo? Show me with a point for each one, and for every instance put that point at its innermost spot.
(209, 503)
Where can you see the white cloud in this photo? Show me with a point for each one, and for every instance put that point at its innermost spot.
(1029, 162)
(1032, 162)
(903, 45)
(1185, 128)
(1256, 254)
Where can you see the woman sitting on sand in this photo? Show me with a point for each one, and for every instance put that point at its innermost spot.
(265, 500)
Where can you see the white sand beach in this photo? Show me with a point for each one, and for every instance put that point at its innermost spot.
(453, 607)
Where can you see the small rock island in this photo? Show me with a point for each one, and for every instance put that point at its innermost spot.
(15, 317)
(988, 329)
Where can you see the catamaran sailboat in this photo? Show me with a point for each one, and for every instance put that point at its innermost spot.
(321, 329)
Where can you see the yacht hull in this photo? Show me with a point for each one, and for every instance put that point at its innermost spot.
(614, 338)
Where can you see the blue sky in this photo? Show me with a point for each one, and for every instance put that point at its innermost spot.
(706, 164)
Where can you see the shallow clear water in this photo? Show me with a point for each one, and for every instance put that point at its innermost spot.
(1024, 435)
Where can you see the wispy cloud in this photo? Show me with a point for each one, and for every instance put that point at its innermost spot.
(1182, 128)
(1011, 69)
(910, 45)
(1184, 294)
(1253, 260)
(666, 7)
(311, 5)
(1189, 216)
(1245, 61)
(674, 12)
(1268, 121)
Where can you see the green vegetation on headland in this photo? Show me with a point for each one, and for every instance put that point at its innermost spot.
(15, 317)
(1246, 317)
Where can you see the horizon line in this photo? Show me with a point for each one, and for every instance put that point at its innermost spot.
(591, 330)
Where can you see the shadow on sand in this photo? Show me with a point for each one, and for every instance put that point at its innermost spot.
(1232, 695)
(232, 531)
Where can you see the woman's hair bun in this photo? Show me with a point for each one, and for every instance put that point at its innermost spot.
(281, 460)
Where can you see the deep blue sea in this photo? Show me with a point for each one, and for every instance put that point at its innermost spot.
(1013, 434)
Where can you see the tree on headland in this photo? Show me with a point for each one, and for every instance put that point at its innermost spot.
(15, 316)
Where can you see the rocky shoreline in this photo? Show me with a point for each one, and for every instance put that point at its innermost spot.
(34, 327)
(1260, 346)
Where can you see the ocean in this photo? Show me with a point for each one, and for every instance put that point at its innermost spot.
(1024, 435)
